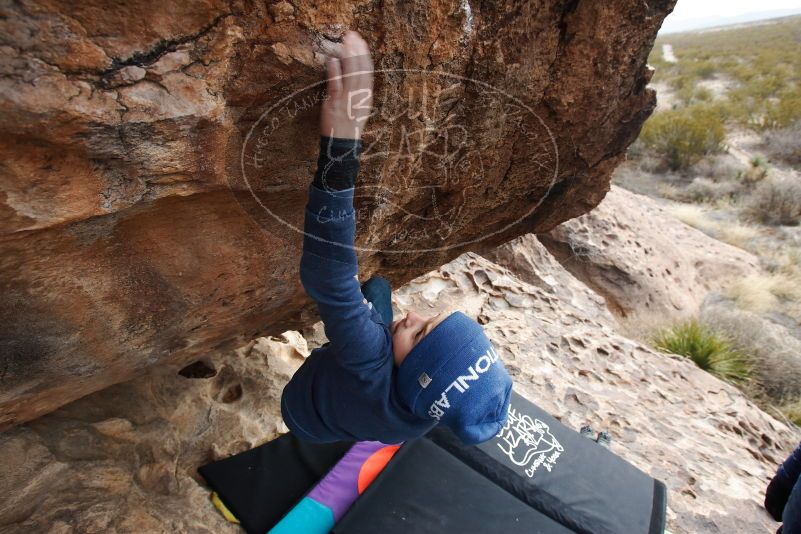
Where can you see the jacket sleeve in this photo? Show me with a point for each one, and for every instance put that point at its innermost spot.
(329, 273)
(780, 487)
(791, 468)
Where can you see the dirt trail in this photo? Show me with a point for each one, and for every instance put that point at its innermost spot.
(667, 54)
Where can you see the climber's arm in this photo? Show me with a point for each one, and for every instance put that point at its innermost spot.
(329, 267)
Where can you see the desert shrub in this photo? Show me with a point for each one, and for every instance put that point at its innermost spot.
(700, 190)
(765, 86)
(693, 94)
(683, 80)
(792, 411)
(683, 136)
(783, 113)
(709, 350)
(762, 292)
(774, 355)
(784, 144)
(718, 167)
(705, 190)
(636, 150)
(776, 201)
(704, 70)
(671, 192)
(703, 94)
(756, 172)
(765, 104)
(763, 62)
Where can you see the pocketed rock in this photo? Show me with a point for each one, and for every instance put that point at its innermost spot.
(714, 449)
(124, 459)
(644, 261)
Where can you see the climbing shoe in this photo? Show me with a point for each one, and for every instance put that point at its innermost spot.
(604, 439)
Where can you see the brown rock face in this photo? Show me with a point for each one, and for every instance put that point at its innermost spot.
(155, 160)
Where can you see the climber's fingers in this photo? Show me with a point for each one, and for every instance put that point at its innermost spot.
(334, 69)
(357, 66)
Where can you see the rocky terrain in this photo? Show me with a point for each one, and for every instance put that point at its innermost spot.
(721, 153)
(644, 262)
(156, 158)
(154, 166)
(124, 459)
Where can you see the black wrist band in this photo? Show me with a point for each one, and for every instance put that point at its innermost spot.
(338, 163)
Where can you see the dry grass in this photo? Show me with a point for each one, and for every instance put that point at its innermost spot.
(775, 356)
(776, 201)
(719, 167)
(738, 234)
(765, 292)
(695, 216)
(702, 191)
(671, 192)
(732, 232)
(785, 144)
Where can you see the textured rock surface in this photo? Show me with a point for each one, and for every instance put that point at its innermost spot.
(128, 235)
(643, 261)
(124, 459)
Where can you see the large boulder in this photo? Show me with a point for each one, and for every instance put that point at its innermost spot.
(156, 158)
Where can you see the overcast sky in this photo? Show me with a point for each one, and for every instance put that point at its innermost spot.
(690, 14)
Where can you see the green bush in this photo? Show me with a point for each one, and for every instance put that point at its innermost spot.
(704, 69)
(792, 411)
(783, 113)
(710, 351)
(681, 137)
(760, 65)
(692, 94)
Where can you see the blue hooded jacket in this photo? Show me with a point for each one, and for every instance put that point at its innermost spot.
(345, 390)
(350, 389)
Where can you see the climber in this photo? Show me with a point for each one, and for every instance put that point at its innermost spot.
(377, 379)
(783, 494)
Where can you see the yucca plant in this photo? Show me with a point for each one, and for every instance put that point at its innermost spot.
(709, 350)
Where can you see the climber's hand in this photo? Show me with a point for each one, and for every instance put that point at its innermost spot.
(349, 94)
